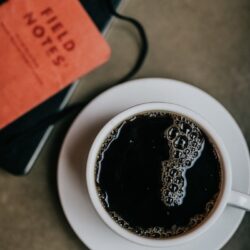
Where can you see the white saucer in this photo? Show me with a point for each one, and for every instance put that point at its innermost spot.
(71, 180)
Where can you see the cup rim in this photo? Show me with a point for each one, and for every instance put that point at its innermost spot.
(167, 107)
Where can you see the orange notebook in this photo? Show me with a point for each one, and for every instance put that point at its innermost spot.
(44, 45)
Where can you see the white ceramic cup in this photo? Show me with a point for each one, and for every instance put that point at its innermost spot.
(227, 195)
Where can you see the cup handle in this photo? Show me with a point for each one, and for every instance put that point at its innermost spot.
(239, 200)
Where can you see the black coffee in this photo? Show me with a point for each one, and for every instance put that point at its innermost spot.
(158, 175)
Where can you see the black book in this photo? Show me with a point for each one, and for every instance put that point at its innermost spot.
(22, 156)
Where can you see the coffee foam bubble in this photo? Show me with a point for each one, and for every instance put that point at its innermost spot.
(186, 144)
(162, 232)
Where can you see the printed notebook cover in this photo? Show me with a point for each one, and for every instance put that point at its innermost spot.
(44, 46)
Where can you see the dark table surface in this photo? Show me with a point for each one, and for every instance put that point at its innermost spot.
(204, 43)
